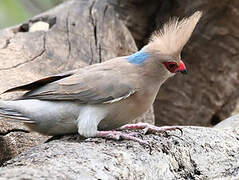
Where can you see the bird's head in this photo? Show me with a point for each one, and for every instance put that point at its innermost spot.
(164, 48)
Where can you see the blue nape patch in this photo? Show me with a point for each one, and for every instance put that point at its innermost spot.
(138, 57)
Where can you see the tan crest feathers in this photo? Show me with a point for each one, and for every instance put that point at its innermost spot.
(174, 34)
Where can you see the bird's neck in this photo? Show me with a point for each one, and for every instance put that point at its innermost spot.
(148, 66)
(138, 58)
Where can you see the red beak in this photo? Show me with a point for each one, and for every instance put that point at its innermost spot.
(182, 68)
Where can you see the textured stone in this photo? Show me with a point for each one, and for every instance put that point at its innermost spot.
(187, 156)
(229, 123)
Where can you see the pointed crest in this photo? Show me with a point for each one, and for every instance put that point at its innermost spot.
(174, 34)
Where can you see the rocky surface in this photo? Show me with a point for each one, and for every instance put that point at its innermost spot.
(200, 153)
(229, 123)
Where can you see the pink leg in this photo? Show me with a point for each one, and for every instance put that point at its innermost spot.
(117, 135)
(148, 128)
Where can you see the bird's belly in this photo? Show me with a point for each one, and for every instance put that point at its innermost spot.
(55, 129)
(126, 111)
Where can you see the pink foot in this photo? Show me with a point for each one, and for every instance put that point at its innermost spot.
(117, 135)
(148, 128)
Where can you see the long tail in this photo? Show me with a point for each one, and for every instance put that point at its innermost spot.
(12, 114)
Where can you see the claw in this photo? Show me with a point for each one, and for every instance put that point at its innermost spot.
(53, 138)
(147, 128)
(116, 135)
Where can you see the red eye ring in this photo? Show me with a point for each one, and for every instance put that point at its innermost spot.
(171, 66)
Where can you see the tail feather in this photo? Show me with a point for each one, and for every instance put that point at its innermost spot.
(13, 114)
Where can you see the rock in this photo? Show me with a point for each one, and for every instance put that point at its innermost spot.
(229, 123)
(236, 110)
(139, 17)
(187, 156)
(15, 142)
(39, 26)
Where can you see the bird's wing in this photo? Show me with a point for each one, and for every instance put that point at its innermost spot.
(40, 83)
(86, 87)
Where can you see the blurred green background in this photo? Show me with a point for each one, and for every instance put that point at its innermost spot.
(16, 11)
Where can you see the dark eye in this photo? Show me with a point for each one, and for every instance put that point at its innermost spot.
(172, 66)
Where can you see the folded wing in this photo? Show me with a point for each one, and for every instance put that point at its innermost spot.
(86, 87)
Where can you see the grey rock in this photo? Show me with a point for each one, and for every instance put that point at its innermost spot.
(200, 153)
(229, 123)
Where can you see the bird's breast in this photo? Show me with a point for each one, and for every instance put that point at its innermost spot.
(124, 111)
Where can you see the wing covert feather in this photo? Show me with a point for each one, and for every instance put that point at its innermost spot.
(87, 87)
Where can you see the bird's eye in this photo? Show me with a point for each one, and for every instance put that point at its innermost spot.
(172, 66)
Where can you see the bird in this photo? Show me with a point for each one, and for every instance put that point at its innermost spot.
(96, 100)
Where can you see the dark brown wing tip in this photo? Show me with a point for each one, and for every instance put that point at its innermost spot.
(12, 90)
(37, 84)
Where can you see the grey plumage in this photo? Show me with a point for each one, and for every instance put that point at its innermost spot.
(13, 114)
